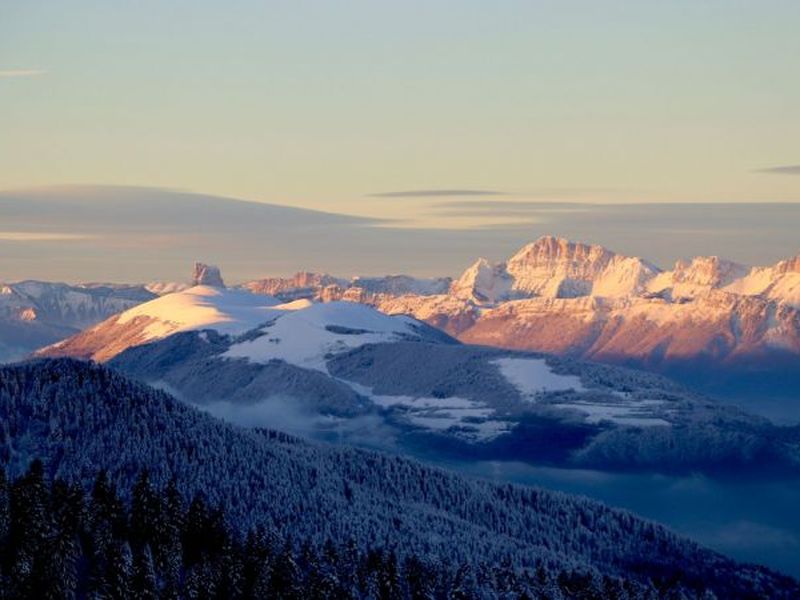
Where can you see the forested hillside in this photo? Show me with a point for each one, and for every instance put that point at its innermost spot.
(79, 418)
(59, 542)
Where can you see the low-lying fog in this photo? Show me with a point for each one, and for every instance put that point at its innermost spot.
(753, 521)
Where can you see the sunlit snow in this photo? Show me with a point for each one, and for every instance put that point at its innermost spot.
(203, 307)
(471, 419)
(306, 335)
(532, 376)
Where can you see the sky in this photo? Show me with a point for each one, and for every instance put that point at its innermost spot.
(137, 234)
(385, 110)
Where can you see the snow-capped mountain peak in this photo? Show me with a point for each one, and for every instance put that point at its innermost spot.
(554, 253)
(708, 271)
(790, 265)
(700, 275)
(780, 282)
(554, 268)
(482, 283)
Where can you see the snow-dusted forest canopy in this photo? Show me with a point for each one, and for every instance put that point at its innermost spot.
(78, 418)
(61, 542)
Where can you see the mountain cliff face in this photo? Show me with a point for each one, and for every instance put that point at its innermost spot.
(557, 268)
(207, 275)
(554, 268)
(316, 286)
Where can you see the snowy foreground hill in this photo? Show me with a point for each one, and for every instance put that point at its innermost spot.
(80, 417)
(345, 371)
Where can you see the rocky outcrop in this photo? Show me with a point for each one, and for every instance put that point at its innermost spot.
(207, 275)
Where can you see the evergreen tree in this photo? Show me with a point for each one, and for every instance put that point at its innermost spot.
(119, 571)
(465, 586)
(170, 555)
(193, 538)
(63, 546)
(388, 578)
(285, 576)
(107, 513)
(143, 582)
(146, 513)
(29, 528)
(420, 580)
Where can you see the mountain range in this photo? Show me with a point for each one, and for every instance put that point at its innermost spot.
(725, 328)
(34, 313)
(346, 371)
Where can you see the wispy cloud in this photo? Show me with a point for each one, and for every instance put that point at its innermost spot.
(782, 170)
(503, 208)
(41, 236)
(21, 73)
(436, 193)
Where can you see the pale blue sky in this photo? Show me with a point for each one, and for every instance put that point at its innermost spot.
(320, 104)
(398, 111)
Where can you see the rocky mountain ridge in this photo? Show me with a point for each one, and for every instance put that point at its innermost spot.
(708, 321)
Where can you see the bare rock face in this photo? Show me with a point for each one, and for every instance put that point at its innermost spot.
(207, 275)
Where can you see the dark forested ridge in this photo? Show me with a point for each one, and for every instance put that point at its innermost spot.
(79, 418)
(56, 541)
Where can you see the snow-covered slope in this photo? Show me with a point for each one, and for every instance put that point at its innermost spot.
(199, 307)
(300, 332)
(396, 385)
(780, 282)
(306, 334)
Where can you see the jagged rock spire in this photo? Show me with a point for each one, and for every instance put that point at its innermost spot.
(207, 275)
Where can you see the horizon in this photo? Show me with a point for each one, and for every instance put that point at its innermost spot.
(126, 234)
